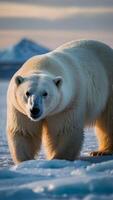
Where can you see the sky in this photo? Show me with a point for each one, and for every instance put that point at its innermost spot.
(53, 22)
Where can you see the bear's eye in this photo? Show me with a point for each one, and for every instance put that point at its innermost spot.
(44, 94)
(27, 94)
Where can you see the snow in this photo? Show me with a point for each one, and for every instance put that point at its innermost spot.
(88, 178)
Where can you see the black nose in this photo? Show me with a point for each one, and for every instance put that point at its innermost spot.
(35, 111)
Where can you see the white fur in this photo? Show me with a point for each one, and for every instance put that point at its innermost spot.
(85, 96)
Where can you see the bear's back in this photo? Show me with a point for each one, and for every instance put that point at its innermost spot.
(89, 49)
(87, 44)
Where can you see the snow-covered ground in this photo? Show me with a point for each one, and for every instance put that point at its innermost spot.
(41, 179)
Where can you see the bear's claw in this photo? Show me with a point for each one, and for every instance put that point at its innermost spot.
(101, 153)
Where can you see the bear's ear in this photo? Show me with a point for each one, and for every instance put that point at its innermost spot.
(18, 80)
(58, 81)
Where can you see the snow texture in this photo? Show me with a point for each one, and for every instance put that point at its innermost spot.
(87, 178)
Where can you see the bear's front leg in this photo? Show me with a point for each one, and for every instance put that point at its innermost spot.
(24, 136)
(23, 147)
(63, 136)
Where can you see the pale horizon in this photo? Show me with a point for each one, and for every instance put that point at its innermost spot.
(56, 22)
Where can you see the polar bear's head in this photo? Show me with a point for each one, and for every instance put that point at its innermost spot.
(38, 95)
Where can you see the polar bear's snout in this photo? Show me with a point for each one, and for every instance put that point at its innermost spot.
(35, 107)
(35, 112)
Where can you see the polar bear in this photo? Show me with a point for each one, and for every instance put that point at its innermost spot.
(52, 97)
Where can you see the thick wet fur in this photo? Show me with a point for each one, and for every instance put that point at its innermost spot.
(52, 97)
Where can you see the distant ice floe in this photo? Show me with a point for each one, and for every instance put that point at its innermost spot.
(22, 51)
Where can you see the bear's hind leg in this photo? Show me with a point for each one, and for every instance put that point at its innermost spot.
(104, 131)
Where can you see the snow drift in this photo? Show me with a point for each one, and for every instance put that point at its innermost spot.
(57, 180)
